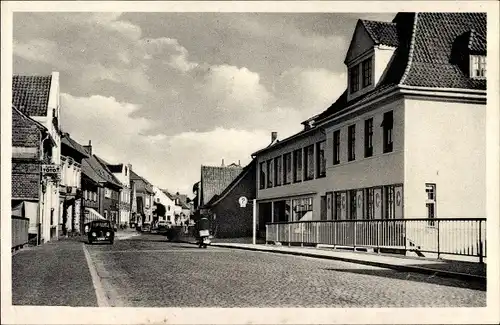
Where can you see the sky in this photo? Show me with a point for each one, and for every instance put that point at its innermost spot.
(169, 92)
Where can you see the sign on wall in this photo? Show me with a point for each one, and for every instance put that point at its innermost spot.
(329, 206)
(343, 210)
(398, 202)
(359, 204)
(51, 170)
(377, 202)
(243, 201)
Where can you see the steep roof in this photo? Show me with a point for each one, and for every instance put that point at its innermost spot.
(30, 94)
(382, 32)
(424, 56)
(142, 185)
(25, 130)
(248, 168)
(94, 168)
(115, 168)
(66, 140)
(215, 179)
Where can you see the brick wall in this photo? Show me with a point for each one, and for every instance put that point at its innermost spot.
(24, 132)
(231, 220)
(25, 179)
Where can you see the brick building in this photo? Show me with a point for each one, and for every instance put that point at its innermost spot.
(229, 218)
(32, 146)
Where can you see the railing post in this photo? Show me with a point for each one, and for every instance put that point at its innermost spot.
(354, 235)
(406, 236)
(277, 226)
(378, 237)
(289, 233)
(334, 233)
(317, 232)
(267, 233)
(480, 242)
(438, 239)
(302, 234)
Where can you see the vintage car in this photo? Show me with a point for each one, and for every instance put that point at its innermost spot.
(101, 231)
(146, 227)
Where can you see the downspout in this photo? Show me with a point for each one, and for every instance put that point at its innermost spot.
(42, 191)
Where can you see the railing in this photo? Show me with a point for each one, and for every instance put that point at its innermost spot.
(20, 228)
(451, 236)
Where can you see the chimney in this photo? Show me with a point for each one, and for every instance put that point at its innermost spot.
(89, 148)
(274, 136)
(222, 162)
(239, 162)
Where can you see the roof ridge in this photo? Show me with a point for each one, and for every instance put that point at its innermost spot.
(368, 30)
(411, 51)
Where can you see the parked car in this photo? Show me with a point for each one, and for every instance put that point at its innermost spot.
(146, 227)
(101, 230)
(163, 226)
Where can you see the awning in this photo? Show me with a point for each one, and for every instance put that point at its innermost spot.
(91, 215)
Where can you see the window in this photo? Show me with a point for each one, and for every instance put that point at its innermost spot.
(369, 137)
(387, 124)
(125, 171)
(107, 193)
(321, 159)
(389, 202)
(95, 196)
(338, 206)
(354, 79)
(352, 204)
(323, 211)
(277, 171)
(367, 72)
(297, 162)
(351, 153)
(336, 147)
(309, 163)
(370, 207)
(270, 173)
(430, 202)
(168, 207)
(300, 207)
(105, 214)
(287, 168)
(262, 175)
(478, 66)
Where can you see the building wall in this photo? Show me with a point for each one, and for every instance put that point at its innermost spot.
(312, 188)
(110, 204)
(231, 220)
(379, 169)
(445, 144)
(166, 201)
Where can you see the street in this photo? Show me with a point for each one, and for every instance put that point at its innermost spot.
(147, 271)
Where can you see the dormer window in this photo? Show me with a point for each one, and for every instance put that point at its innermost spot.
(367, 72)
(354, 79)
(478, 66)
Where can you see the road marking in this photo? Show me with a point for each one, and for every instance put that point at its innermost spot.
(180, 250)
(102, 300)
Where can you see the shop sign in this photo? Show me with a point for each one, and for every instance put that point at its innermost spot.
(51, 170)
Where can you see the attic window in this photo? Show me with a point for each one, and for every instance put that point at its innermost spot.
(478, 66)
(354, 79)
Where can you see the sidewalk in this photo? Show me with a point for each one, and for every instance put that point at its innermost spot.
(455, 269)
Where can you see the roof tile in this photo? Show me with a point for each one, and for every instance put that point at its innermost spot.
(30, 94)
(381, 32)
(215, 179)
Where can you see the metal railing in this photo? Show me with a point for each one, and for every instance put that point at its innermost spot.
(451, 236)
(20, 227)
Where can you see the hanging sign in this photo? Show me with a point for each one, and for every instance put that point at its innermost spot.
(243, 202)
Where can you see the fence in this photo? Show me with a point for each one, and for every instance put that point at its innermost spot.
(452, 236)
(20, 228)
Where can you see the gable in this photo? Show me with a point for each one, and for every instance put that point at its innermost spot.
(361, 42)
(30, 94)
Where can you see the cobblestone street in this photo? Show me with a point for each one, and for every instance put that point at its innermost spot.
(147, 271)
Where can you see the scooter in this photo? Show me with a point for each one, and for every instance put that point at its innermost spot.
(204, 238)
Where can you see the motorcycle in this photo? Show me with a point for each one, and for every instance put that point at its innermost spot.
(203, 233)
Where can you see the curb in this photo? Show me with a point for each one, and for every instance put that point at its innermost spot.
(404, 268)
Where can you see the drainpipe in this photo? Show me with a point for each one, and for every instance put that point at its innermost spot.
(42, 192)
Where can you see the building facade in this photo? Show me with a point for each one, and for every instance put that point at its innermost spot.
(231, 220)
(32, 147)
(38, 98)
(407, 137)
(122, 173)
(163, 197)
(144, 197)
(70, 189)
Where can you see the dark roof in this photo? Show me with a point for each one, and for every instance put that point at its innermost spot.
(142, 185)
(94, 168)
(228, 188)
(115, 168)
(25, 130)
(215, 179)
(382, 32)
(432, 42)
(30, 94)
(66, 140)
(435, 35)
(168, 194)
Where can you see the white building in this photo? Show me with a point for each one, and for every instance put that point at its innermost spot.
(407, 137)
(168, 201)
(38, 97)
